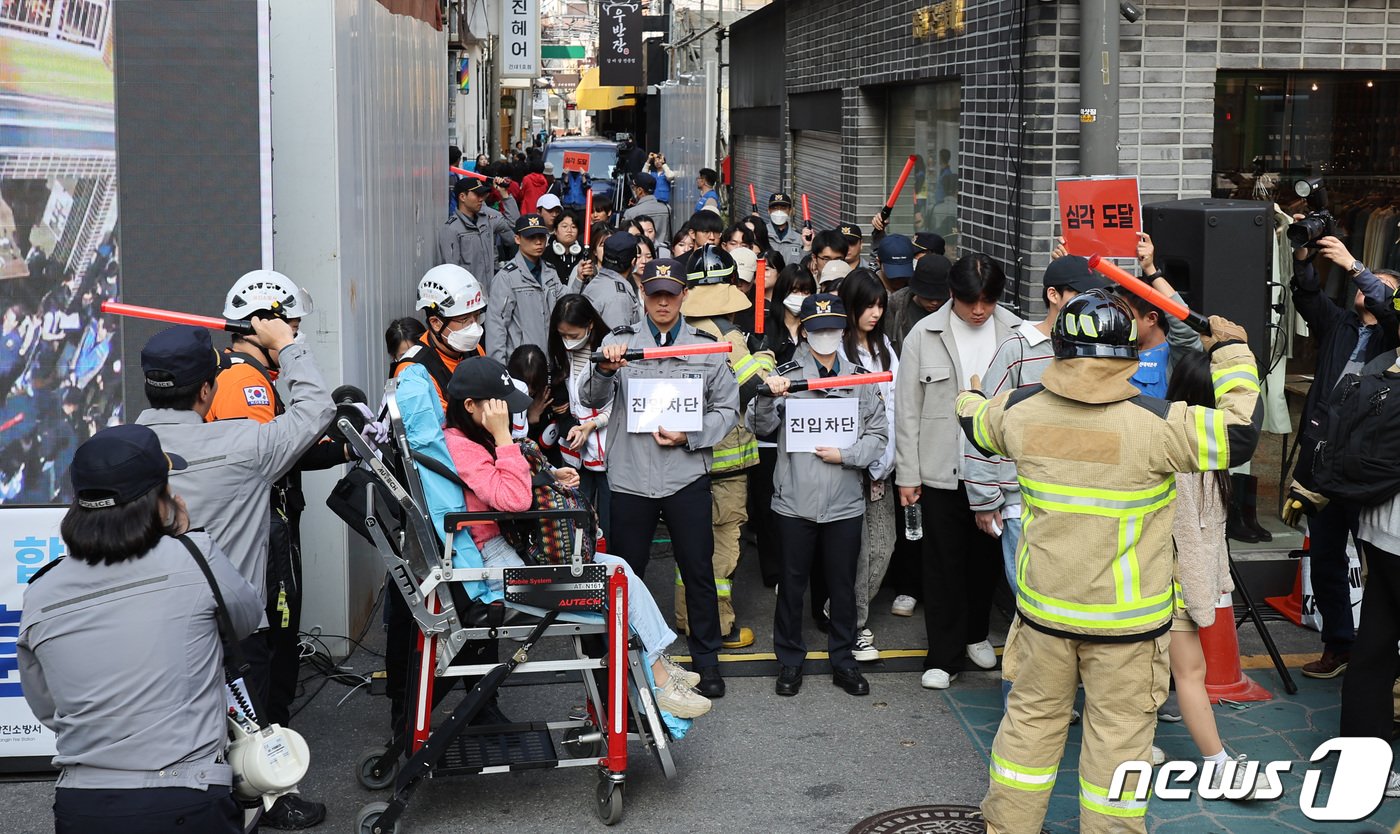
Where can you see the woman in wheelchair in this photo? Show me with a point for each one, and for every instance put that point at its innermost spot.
(480, 399)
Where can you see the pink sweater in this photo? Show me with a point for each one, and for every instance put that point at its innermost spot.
(502, 484)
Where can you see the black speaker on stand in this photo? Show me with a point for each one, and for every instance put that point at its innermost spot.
(1218, 254)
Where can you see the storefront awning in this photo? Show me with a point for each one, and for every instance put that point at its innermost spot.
(590, 96)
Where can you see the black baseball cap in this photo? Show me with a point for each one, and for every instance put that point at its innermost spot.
(471, 184)
(645, 180)
(663, 275)
(119, 465)
(779, 199)
(530, 225)
(823, 311)
(483, 378)
(851, 232)
(1073, 272)
(930, 242)
(179, 356)
(896, 255)
(931, 277)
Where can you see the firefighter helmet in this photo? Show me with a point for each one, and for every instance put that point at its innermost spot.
(709, 265)
(1096, 324)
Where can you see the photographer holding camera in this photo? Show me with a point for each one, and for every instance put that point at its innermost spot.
(1347, 338)
(657, 167)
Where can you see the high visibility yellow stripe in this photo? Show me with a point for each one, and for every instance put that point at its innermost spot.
(1145, 612)
(1111, 503)
(747, 368)
(1096, 799)
(1236, 376)
(1212, 444)
(745, 454)
(1021, 777)
(979, 429)
(1125, 567)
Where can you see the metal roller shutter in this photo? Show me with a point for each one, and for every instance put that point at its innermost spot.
(757, 160)
(816, 172)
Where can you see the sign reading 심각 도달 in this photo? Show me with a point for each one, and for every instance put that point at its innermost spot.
(670, 404)
(1100, 216)
(576, 161)
(833, 422)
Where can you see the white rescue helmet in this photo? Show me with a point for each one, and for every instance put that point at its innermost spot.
(449, 290)
(266, 291)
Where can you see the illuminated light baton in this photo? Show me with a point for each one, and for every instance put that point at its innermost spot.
(1143, 290)
(156, 314)
(672, 352)
(753, 199)
(12, 422)
(832, 382)
(588, 219)
(806, 215)
(888, 208)
(464, 172)
(760, 278)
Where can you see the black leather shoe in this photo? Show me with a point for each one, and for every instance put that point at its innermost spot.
(850, 680)
(711, 682)
(789, 680)
(292, 813)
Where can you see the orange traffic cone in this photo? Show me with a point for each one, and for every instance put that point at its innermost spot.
(1291, 606)
(1221, 645)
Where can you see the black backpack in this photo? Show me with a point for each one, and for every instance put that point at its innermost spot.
(1358, 458)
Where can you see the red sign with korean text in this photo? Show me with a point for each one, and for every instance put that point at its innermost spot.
(1100, 216)
(576, 161)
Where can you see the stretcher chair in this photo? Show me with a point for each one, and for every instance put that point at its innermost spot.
(619, 705)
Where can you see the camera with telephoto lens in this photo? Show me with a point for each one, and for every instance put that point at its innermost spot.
(1319, 222)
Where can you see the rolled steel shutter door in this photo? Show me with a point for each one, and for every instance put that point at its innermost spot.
(816, 172)
(757, 160)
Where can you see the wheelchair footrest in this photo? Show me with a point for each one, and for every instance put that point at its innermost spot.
(512, 747)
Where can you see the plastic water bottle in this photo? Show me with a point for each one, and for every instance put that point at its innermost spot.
(913, 522)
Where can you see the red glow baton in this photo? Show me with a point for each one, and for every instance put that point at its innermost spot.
(1143, 290)
(753, 199)
(832, 382)
(806, 215)
(898, 187)
(672, 352)
(588, 219)
(464, 172)
(155, 314)
(760, 278)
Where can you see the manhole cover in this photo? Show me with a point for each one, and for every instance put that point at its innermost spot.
(924, 819)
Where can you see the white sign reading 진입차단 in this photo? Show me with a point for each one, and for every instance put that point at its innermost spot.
(670, 404)
(833, 422)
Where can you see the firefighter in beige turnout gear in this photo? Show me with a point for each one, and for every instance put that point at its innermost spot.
(712, 300)
(1096, 462)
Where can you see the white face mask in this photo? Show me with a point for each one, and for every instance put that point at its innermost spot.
(779, 218)
(824, 342)
(793, 302)
(466, 339)
(575, 344)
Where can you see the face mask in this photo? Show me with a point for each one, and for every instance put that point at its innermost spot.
(466, 339)
(793, 303)
(575, 344)
(779, 218)
(824, 342)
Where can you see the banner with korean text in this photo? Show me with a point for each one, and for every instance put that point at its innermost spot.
(30, 541)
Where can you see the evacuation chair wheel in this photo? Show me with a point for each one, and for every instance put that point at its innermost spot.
(367, 821)
(365, 772)
(575, 749)
(609, 804)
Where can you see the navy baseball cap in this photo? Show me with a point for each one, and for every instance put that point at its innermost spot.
(179, 356)
(1073, 272)
(483, 378)
(119, 465)
(823, 311)
(663, 275)
(530, 225)
(896, 255)
(779, 199)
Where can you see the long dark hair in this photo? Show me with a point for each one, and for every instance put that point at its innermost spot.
(576, 311)
(460, 419)
(793, 278)
(861, 290)
(756, 225)
(1191, 383)
(109, 535)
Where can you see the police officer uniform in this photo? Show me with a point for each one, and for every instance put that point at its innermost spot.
(610, 292)
(520, 298)
(819, 507)
(470, 242)
(789, 241)
(650, 481)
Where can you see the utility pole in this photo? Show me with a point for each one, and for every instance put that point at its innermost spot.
(1098, 87)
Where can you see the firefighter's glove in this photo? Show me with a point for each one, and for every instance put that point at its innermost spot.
(1300, 502)
(1223, 330)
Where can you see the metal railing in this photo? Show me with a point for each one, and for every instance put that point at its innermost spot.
(82, 22)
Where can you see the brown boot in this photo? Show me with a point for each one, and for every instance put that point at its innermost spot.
(1330, 665)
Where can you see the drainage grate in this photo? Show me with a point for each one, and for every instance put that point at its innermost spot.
(925, 819)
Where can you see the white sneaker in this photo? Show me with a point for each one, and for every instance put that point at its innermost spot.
(673, 669)
(983, 654)
(903, 606)
(1261, 780)
(1158, 757)
(865, 650)
(680, 700)
(1392, 786)
(937, 679)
